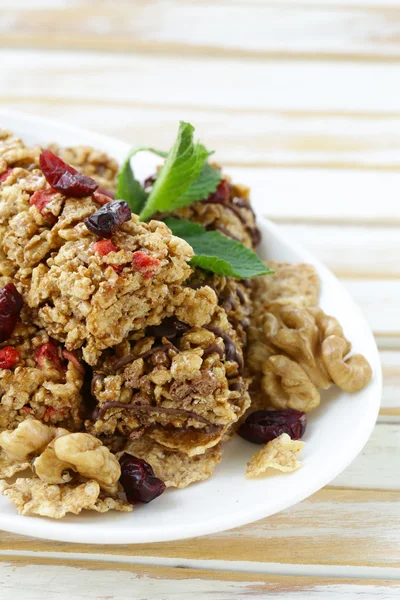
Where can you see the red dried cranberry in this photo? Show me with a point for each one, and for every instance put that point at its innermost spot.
(6, 174)
(10, 307)
(263, 426)
(51, 412)
(72, 358)
(104, 247)
(9, 357)
(48, 353)
(64, 178)
(170, 328)
(146, 265)
(105, 192)
(102, 197)
(40, 199)
(138, 480)
(221, 194)
(108, 218)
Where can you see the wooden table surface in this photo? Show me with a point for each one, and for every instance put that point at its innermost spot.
(302, 101)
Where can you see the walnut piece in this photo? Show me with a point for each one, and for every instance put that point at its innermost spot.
(35, 497)
(352, 374)
(294, 331)
(287, 385)
(51, 469)
(30, 437)
(279, 454)
(87, 455)
(8, 466)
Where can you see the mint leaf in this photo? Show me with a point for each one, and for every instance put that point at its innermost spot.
(205, 184)
(182, 167)
(218, 253)
(128, 187)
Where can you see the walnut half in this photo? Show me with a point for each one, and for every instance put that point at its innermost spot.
(287, 385)
(316, 342)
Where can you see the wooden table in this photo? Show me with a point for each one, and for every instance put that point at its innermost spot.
(302, 101)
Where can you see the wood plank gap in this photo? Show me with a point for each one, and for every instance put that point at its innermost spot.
(123, 562)
(361, 275)
(335, 165)
(289, 113)
(116, 45)
(350, 221)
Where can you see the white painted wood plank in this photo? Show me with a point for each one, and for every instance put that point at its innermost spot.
(309, 3)
(379, 301)
(245, 137)
(187, 81)
(391, 382)
(378, 462)
(261, 28)
(175, 24)
(311, 533)
(350, 250)
(47, 581)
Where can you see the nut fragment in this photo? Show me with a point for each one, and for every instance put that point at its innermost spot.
(295, 332)
(287, 385)
(278, 454)
(8, 466)
(28, 438)
(50, 469)
(90, 458)
(352, 374)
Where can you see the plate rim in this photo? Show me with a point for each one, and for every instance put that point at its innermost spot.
(66, 532)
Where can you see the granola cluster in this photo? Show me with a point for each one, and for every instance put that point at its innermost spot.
(41, 380)
(128, 369)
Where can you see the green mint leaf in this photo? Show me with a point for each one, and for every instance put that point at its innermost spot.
(218, 253)
(182, 167)
(128, 187)
(205, 184)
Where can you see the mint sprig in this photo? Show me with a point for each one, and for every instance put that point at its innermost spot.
(185, 163)
(128, 187)
(218, 253)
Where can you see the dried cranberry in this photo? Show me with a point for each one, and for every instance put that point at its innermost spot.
(72, 358)
(138, 480)
(104, 247)
(263, 426)
(64, 178)
(105, 192)
(6, 174)
(40, 199)
(108, 218)
(51, 412)
(170, 328)
(102, 198)
(221, 194)
(146, 265)
(10, 307)
(9, 357)
(47, 356)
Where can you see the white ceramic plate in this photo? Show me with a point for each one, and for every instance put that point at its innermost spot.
(336, 433)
